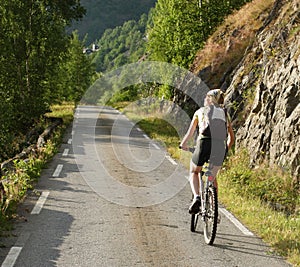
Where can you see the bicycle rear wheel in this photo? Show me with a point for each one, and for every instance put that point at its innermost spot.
(211, 216)
(194, 221)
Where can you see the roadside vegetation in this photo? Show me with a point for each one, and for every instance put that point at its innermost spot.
(24, 174)
(40, 66)
(265, 199)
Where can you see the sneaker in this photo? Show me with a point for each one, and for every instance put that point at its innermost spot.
(195, 206)
(219, 219)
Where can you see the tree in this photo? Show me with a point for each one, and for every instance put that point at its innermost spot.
(121, 45)
(174, 36)
(32, 45)
(179, 28)
(76, 72)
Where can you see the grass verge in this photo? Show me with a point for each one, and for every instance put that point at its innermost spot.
(266, 200)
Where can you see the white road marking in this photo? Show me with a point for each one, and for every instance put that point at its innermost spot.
(66, 152)
(156, 146)
(243, 229)
(58, 170)
(40, 203)
(171, 160)
(11, 257)
(146, 136)
(235, 221)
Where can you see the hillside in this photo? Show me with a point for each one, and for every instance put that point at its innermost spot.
(102, 15)
(270, 73)
(255, 56)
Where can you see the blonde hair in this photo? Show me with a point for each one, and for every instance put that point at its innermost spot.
(216, 96)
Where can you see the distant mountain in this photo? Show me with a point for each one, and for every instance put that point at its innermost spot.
(104, 14)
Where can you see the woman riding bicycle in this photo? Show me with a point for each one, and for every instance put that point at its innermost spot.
(210, 146)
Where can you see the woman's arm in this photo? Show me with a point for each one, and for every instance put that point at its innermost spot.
(230, 139)
(190, 132)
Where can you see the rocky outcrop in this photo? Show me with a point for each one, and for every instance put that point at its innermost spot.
(264, 95)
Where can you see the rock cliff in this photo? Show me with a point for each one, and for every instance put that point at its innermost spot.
(261, 80)
(265, 94)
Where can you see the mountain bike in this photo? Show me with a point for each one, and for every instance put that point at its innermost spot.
(208, 212)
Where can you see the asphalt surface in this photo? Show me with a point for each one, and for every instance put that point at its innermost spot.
(112, 197)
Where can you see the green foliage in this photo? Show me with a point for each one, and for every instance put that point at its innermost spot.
(33, 49)
(103, 15)
(76, 71)
(122, 45)
(175, 34)
(179, 28)
(165, 91)
(128, 94)
(270, 185)
(26, 172)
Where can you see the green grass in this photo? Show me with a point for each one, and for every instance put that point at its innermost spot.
(266, 200)
(250, 194)
(275, 228)
(64, 111)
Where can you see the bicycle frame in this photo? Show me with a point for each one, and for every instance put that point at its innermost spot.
(209, 182)
(209, 209)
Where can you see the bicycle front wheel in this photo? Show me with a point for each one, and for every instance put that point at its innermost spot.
(211, 216)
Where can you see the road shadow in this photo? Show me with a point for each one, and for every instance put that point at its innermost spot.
(248, 245)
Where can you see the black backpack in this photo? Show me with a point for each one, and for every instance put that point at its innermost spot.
(217, 123)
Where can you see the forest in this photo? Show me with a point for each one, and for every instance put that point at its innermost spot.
(40, 65)
(102, 15)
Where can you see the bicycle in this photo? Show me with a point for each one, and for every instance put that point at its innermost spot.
(208, 212)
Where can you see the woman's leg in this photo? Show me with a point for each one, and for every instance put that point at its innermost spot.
(214, 172)
(195, 182)
(196, 186)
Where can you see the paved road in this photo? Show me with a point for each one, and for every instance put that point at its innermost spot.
(108, 199)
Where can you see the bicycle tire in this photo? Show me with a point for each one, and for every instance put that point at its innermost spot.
(194, 221)
(211, 216)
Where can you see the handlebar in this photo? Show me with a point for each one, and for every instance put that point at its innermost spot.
(190, 149)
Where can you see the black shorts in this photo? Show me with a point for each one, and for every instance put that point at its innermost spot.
(211, 150)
